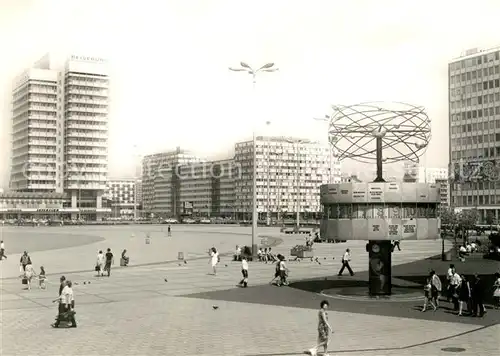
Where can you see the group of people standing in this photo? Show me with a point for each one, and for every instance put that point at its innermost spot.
(468, 296)
(104, 262)
(28, 272)
(66, 304)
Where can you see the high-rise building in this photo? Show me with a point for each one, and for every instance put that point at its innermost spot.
(289, 174)
(36, 131)
(85, 86)
(121, 194)
(474, 121)
(59, 132)
(161, 183)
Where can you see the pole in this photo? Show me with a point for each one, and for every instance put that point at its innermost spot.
(268, 215)
(380, 175)
(254, 194)
(135, 197)
(298, 188)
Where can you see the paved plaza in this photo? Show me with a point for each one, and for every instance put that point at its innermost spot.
(161, 306)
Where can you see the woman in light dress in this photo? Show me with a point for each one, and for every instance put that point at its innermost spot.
(496, 291)
(214, 259)
(100, 263)
(29, 273)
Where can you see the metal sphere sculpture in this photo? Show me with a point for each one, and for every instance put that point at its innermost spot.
(403, 129)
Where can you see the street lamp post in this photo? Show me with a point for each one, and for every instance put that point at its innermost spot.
(297, 178)
(327, 118)
(269, 67)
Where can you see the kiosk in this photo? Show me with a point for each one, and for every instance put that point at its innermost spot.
(380, 212)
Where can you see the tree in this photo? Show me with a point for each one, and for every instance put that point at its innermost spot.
(467, 220)
(490, 218)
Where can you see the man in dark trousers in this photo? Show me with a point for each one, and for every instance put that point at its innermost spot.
(477, 297)
(61, 307)
(109, 261)
(25, 260)
(345, 263)
(169, 231)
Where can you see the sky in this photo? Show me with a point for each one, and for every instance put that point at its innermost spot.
(170, 83)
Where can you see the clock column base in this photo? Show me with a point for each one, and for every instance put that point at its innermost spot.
(379, 267)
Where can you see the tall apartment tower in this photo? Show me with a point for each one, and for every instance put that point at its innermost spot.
(59, 130)
(474, 124)
(35, 131)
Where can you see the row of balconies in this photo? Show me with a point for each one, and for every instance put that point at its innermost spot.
(98, 110)
(72, 151)
(86, 134)
(87, 160)
(72, 100)
(86, 119)
(74, 143)
(95, 83)
(95, 92)
(84, 185)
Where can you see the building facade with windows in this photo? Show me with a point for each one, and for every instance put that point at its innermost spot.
(474, 127)
(207, 188)
(289, 174)
(161, 183)
(59, 132)
(444, 192)
(121, 195)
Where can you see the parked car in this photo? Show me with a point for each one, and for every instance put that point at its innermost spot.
(170, 221)
(205, 221)
(188, 221)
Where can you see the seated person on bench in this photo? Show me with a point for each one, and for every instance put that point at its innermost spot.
(125, 259)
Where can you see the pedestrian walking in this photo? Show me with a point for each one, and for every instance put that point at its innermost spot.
(244, 272)
(464, 296)
(324, 330)
(109, 261)
(2, 251)
(346, 258)
(283, 271)
(42, 278)
(214, 260)
(449, 287)
(101, 260)
(29, 273)
(25, 260)
(396, 244)
(478, 297)
(169, 231)
(60, 306)
(428, 295)
(496, 291)
(455, 284)
(436, 287)
(67, 299)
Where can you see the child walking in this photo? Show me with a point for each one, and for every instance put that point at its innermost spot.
(42, 278)
(244, 272)
(428, 295)
(324, 330)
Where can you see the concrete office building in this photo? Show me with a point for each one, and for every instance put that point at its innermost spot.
(474, 125)
(121, 194)
(444, 192)
(161, 183)
(207, 188)
(60, 132)
(413, 172)
(289, 174)
(179, 184)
